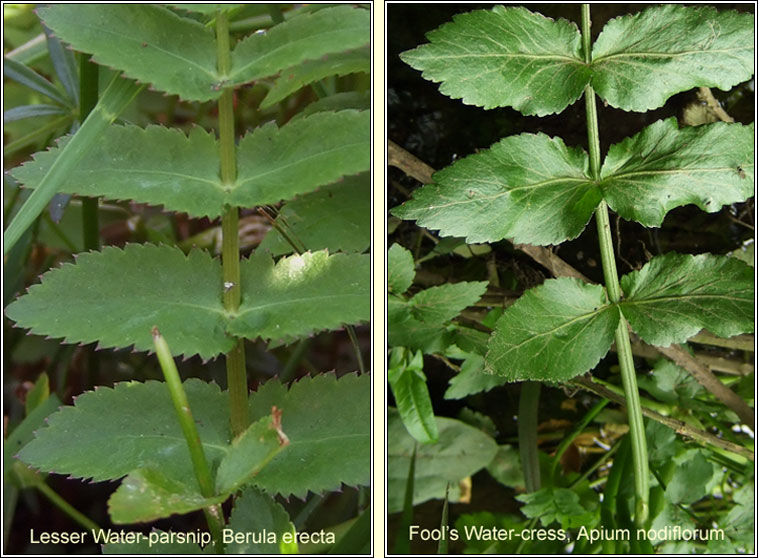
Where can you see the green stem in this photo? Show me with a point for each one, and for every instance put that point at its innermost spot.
(623, 345)
(88, 92)
(236, 374)
(527, 434)
(67, 508)
(189, 429)
(356, 347)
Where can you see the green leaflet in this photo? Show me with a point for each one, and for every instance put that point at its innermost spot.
(663, 167)
(338, 64)
(505, 57)
(484, 196)
(249, 453)
(461, 451)
(178, 55)
(116, 297)
(445, 302)
(149, 494)
(408, 382)
(553, 332)
(332, 218)
(535, 190)
(564, 327)
(472, 379)
(641, 60)
(328, 421)
(301, 294)
(275, 163)
(513, 57)
(674, 296)
(141, 431)
(255, 512)
(149, 43)
(306, 36)
(551, 504)
(400, 269)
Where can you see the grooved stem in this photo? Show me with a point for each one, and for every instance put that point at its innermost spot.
(623, 345)
(236, 374)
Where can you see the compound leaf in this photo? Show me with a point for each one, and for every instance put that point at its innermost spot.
(328, 421)
(530, 187)
(334, 217)
(163, 166)
(676, 295)
(557, 504)
(155, 165)
(248, 454)
(257, 512)
(149, 494)
(553, 332)
(148, 43)
(111, 432)
(117, 295)
(278, 163)
(444, 302)
(505, 57)
(400, 269)
(337, 64)
(663, 167)
(640, 60)
(301, 294)
(461, 451)
(306, 36)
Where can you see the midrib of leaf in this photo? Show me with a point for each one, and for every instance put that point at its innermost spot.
(643, 54)
(251, 309)
(106, 31)
(165, 437)
(588, 316)
(196, 178)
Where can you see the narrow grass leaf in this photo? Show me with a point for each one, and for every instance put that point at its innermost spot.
(530, 188)
(30, 111)
(663, 167)
(117, 96)
(640, 60)
(306, 36)
(674, 296)
(337, 64)
(65, 66)
(149, 43)
(505, 57)
(553, 332)
(327, 421)
(26, 76)
(116, 296)
(301, 294)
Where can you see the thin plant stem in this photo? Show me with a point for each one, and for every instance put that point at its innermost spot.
(88, 92)
(623, 345)
(571, 436)
(527, 434)
(356, 347)
(236, 373)
(191, 435)
(67, 508)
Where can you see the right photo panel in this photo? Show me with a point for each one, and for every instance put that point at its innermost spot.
(570, 277)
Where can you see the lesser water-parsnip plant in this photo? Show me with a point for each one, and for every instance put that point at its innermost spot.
(537, 190)
(299, 155)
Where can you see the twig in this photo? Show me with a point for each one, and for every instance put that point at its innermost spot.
(678, 426)
(705, 95)
(409, 164)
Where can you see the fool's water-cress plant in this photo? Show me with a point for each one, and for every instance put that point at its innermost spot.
(534, 189)
(181, 447)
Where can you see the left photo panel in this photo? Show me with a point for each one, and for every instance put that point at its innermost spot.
(187, 279)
